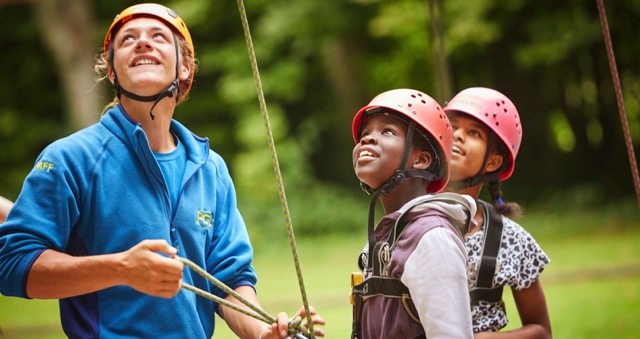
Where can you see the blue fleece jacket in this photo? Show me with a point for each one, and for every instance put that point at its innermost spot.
(101, 191)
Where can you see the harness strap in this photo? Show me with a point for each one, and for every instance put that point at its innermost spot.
(398, 229)
(448, 197)
(491, 245)
(378, 257)
(356, 325)
(493, 295)
(381, 286)
(371, 287)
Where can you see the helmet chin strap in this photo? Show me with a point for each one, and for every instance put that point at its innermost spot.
(400, 174)
(171, 91)
(478, 178)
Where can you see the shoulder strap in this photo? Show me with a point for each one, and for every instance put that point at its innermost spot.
(448, 197)
(492, 239)
(491, 245)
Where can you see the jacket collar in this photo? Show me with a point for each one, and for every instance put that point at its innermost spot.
(130, 132)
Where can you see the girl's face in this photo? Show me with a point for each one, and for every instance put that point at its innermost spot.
(379, 152)
(145, 56)
(470, 139)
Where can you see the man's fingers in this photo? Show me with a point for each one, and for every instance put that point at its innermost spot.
(283, 324)
(159, 245)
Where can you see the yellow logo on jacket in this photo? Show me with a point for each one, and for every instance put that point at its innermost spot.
(44, 166)
(204, 219)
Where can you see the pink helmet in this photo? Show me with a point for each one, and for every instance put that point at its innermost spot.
(426, 113)
(496, 111)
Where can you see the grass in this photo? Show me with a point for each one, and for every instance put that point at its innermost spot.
(591, 284)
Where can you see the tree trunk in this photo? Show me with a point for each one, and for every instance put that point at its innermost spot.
(438, 52)
(67, 30)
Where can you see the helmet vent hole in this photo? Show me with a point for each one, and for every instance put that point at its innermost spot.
(424, 102)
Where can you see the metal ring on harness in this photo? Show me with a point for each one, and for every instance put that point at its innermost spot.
(381, 258)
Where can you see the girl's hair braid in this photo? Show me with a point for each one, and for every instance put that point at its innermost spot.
(508, 209)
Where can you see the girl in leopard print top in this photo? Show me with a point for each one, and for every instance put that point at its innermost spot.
(487, 136)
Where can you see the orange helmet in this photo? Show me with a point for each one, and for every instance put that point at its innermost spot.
(426, 113)
(151, 10)
(164, 14)
(497, 112)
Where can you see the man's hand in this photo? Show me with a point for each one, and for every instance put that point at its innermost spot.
(146, 271)
(280, 328)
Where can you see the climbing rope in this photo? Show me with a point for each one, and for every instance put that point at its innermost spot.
(619, 97)
(295, 327)
(274, 161)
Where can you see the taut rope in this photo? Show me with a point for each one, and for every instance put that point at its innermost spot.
(274, 161)
(619, 97)
(252, 311)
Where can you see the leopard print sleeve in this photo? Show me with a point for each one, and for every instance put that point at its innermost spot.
(521, 259)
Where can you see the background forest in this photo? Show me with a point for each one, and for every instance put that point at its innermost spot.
(320, 61)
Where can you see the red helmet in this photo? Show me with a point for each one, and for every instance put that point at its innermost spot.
(164, 14)
(497, 112)
(426, 113)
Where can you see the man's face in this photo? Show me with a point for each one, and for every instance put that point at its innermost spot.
(144, 56)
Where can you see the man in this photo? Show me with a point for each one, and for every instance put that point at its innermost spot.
(104, 210)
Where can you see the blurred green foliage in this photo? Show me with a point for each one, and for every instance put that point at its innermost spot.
(320, 61)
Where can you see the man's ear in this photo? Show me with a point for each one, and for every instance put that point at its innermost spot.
(422, 160)
(185, 71)
(493, 162)
(112, 76)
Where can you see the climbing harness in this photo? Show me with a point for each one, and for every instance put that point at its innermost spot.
(619, 97)
(492, 237)
(376, 261)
